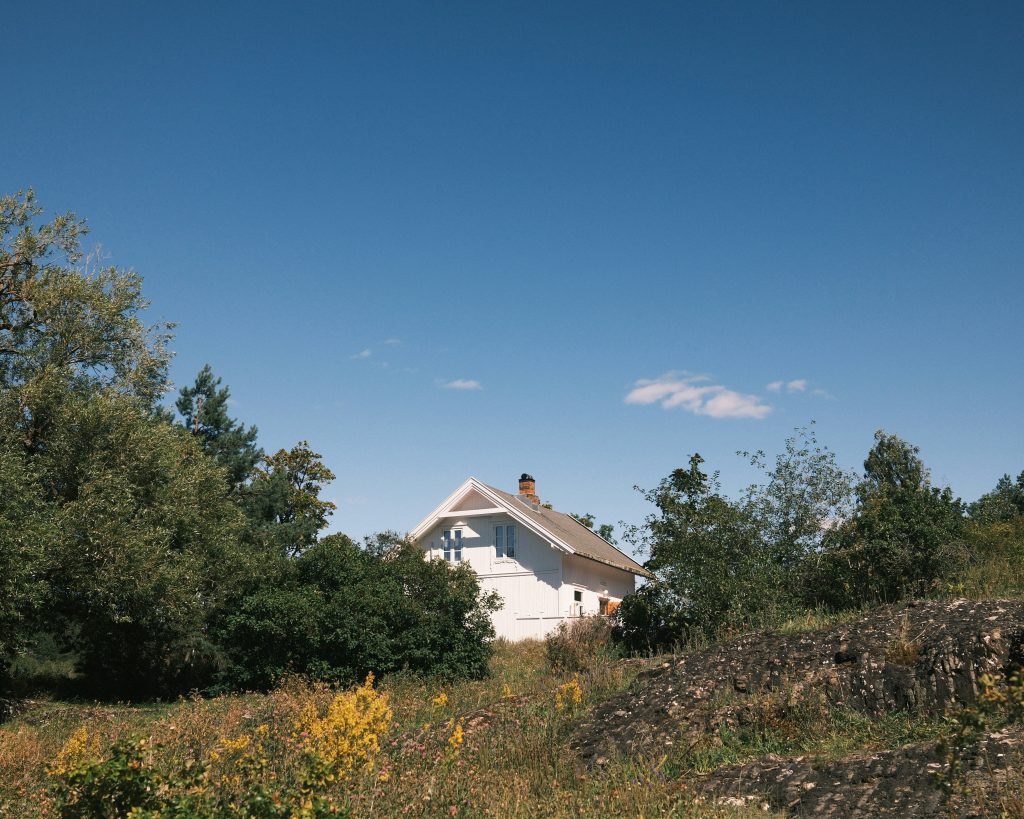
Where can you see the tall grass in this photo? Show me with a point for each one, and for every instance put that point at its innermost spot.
(495, 747)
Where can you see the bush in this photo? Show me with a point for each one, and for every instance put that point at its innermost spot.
(579, 644)
(344, 612)
(651, 620)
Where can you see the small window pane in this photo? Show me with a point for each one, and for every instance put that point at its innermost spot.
(458, 545)
(577, 596)
(447, 544)
(510, 541)
(499, 541)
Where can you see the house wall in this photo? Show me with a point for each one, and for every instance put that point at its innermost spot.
(537, 585)
(528, 584)
(595, 581)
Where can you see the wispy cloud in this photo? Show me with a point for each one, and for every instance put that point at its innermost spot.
(363, 353)
(693, 394)
(392, 342)
(462, 384)
(796, 385)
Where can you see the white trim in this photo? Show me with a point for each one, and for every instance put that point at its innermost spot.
(519, 515)
(472, 513)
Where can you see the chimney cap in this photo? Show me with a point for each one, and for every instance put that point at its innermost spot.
(525, 477)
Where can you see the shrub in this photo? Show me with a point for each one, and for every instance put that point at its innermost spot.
(579, 644)
(345, 612)
(651, 620)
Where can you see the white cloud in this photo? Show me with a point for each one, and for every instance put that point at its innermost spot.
(392, 342)
(363, 353)
(796, 385)
(694, 395)
(462, 384)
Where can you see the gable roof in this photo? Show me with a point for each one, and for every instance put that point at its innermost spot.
(564, 531)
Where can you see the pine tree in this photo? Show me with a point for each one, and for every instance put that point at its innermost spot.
(204, 408)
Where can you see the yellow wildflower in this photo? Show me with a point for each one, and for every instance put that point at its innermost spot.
(81, 749)
(569, 695)
(440, 701)
(457, 737)
(348, 735)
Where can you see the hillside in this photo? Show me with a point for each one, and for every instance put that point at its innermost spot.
(854, 718)
(915, 662)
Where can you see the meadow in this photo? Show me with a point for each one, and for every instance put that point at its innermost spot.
(408, 746)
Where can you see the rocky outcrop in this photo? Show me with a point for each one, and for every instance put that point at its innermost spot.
(905, 782)
(920, 657)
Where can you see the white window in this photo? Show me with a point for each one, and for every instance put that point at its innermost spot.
(452, 545)
(505, 541)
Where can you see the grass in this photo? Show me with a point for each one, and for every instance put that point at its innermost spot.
(770, 724)
(510, 760)
(492, 747)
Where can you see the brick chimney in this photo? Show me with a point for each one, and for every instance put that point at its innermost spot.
(528, 489)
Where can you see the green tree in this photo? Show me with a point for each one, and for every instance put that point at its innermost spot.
(204, 410)
(24, 533)
(706, 551)
(283, 501)
(1004, 503)
(66, 320)
(904, 536)
(806, 494)
(605, 530)
(147, 544)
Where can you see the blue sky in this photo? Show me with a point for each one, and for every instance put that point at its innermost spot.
(739, 216)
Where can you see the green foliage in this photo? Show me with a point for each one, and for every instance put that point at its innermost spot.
(1002, 504)
(996, 564)
(804, 494)
(707, 551)
(62, 321)
(283, 501)
(904, 537)
(605, 530)
(116, 786)
(24, 529)
(344, 612)
(204, 409)
(651, 620)
(146, 545)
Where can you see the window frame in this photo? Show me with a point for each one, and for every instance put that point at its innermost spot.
(451, 545)
(507, 532)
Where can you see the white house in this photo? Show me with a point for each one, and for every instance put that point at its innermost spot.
(547, 566)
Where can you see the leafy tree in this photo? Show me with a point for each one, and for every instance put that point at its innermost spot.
(605, 530)
(706, 550)
(344, 611)
(1004, 503)
(283, 501)
(204, 408)
(61, 320)
(24, 532)
(904, 536)
(146, 546)
(806, 494)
